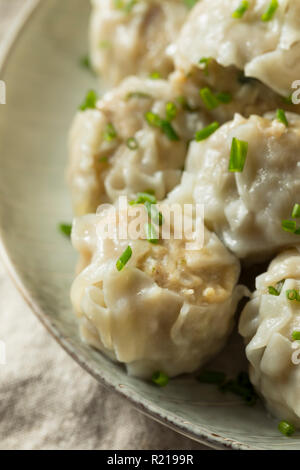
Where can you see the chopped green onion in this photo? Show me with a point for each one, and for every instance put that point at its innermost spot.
(126, 7)
(138, 95)
(211, 377)
(124, 258)
(206, 131)
(205, 61)
(281, 117)
(166, 127)
(296, 335)
(145, 197)
(151, 234)
(65, 229)
(296, 211)
(132, 143)
(85, 62)
(273, 291)
(208, 98)
(160, 379)
(110, 132)
(268, 15)
(155, 215)
(104, 44)
(190, 3)
(224, 97)
(238, 154)
(242, 387)
(289, 226)
(241, 10)
(286, 428)
(90, 101)
(292, 294)
(171, 111)
(155, 75)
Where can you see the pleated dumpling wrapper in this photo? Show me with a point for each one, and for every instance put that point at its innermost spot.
(133, 138)
(269, 324)
(153, 306)
(132, 37)
(248, 178)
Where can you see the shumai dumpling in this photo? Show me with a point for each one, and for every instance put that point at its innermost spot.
(267, 324)
(129, 37)
(169, 309)
(264, 42)
(246, 208)
(118, 149)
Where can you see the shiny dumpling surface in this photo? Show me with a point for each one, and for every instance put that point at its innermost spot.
(266, 50)
(170, 308)
(133, 40)
(100, 169)
(267, 324)
(246, 208)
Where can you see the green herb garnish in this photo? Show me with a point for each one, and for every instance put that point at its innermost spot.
(238, 154)
(124, 258)
(160, 379)
(268, 15)
(296, 335)
(65, 229)
(171, 111)
(241, 10)
(281, 117)
(110, 133)
(132, 143)
(206, 131)
(166, 127)
(90, 101)
(296, 211)
(286, 428)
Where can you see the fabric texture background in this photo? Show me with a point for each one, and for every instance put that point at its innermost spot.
(46, 400)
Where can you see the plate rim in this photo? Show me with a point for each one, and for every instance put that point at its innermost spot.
(209, 438)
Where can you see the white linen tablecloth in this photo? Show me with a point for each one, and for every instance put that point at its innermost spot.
(46, 400)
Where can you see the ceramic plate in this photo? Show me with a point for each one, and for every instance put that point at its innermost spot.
(45, 84)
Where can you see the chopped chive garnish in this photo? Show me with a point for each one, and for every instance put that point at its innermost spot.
(292, 294)
(166, 127)
(211, 377)
(171, 111)
(206, 131)
(273, 291)
(104, 44)
(296, 211)
(141, 198)
(125, 6)
(155, 75)
(85, 62)
(204, 62)
(110, 133)
(154, 214)
(137, 94)
(208, 98)
(281, 117)
(132, 143)
(286, 428)
(151, 233)
(224, 97)
(296, 335)
(90, 101)
(268, 15)
(65, 229)
(242, 387)
(238, 154)
(103, 160)
(160, 379)
(289, 226)
(124, 258)
(241, 10)
(190, 3)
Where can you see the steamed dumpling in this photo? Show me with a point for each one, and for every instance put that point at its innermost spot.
(266, 50)
(246, 209)
(132, 38)
(102, 167)
(267, 324)
(170, 308)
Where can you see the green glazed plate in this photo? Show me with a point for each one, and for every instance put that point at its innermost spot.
(45, 84)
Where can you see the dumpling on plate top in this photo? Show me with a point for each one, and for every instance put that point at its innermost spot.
(117, 149)
(267, 324)
(246, 208)
(263, 42)
(169, 309)
(132, 37)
